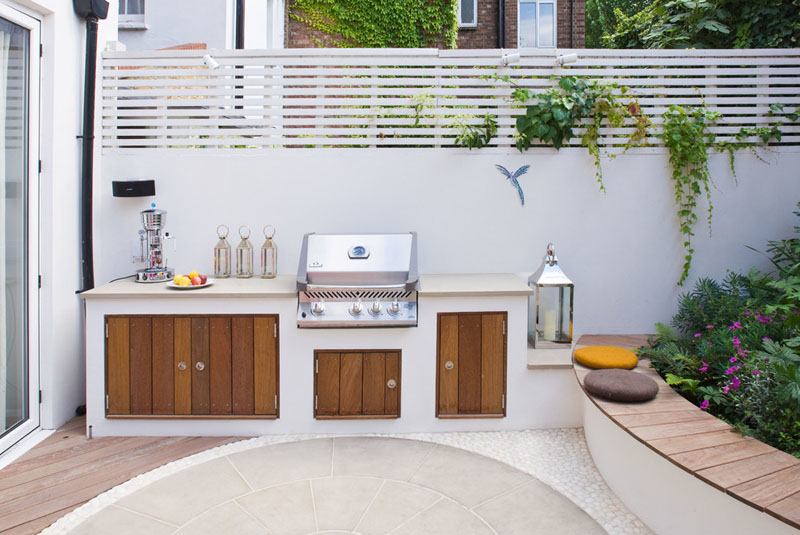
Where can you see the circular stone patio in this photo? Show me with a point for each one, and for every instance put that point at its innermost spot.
(358, 485)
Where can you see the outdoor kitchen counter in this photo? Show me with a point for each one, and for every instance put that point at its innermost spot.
(472, 285)
(280, 286)
(440, 285)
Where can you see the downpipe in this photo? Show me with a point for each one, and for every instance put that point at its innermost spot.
(91, 11)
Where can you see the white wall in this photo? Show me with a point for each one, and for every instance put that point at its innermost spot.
(176, 22)
(61, 312)
(622, 249)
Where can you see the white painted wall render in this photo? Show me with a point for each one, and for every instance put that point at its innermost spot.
(622, 249)
(176, 22)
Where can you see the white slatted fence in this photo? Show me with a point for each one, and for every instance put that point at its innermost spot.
(412, 98)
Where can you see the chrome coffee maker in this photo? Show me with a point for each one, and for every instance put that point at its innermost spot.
(153, 244)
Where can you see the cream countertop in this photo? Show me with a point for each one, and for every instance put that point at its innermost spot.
(441, 285)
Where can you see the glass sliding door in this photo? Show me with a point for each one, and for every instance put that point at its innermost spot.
(19, 377)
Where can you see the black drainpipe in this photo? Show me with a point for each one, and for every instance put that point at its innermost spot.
(571, 22)
(239, 24)
(501, 24)
(91, 11)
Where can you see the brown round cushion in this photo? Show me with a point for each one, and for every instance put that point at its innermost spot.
(620, 385)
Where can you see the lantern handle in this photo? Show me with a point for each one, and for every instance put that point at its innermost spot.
(551, 254)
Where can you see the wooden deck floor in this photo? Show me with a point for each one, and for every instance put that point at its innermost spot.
(66, 470)
(708, 448)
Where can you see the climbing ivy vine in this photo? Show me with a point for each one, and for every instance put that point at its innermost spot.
(553, 116)
(379, 23)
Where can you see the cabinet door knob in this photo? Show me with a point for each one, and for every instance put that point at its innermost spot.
(181, 366)
(200, 366)
(391, 383)
(449, 365)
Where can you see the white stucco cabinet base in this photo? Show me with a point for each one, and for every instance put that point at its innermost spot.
(534, 398)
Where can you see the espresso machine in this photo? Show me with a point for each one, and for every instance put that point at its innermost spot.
(152, 247)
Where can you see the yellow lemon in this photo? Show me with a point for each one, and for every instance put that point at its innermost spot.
(193, 274)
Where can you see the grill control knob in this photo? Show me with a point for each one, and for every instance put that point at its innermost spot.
(376, 308)
(357, 308)
(318, 307)
(394, 308)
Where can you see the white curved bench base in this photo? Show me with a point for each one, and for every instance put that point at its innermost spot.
(665, 497)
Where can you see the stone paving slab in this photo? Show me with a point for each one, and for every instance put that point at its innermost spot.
(494, 483)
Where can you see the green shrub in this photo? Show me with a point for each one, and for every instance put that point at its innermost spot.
(734, 348)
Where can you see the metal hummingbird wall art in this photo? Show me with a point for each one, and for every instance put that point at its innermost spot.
(513, 178)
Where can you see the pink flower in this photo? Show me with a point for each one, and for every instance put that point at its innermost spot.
(709, 326)
(731, 370)
(709, 343)
(762, 319)
(697, 335)
(733, 359)
(704, 367)
(756, 372)
(736, 325)
(735, 382)
(704, 405)
(736, 341)
(746, 312)
(766, 339)
(766, 359)
(725, 389)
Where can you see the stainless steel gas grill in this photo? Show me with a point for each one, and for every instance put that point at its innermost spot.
(358, 280)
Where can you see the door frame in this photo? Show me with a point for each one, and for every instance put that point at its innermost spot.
(33, 25)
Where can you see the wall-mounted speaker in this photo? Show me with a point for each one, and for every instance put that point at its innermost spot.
(133, 188)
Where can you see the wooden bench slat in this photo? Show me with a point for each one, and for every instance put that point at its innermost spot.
(655, 418)
(615, 409)
(788, 510)
(766, 490)
(716, 455)
(736, 472)
(653, 432)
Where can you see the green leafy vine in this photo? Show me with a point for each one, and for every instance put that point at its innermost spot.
(554, 115)
(379, 23)
(475, 136)
(687, 137)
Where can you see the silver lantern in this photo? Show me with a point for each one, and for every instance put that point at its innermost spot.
(550, 306)
(222, 254)
(244, 254)
(269, 254)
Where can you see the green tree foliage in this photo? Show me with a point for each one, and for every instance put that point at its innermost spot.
(601, 17)
(709, 24)
(379, 23)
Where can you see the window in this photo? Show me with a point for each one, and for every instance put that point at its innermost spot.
(537, 24)
(131, 13)
(467, 13)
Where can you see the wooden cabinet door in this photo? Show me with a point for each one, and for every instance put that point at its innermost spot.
(356, 384)
(471, 365)
(192, 366)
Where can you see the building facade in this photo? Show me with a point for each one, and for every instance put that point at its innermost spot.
(523, 24)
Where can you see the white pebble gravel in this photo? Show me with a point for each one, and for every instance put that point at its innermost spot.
(558, 457)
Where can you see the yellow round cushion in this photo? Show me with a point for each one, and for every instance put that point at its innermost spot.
(600, 357)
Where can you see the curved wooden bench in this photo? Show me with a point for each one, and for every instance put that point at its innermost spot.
(702, 445)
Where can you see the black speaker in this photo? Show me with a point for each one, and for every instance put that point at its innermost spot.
(133, 188)
(91, 8)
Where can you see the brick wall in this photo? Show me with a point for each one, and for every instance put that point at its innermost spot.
(298, 35)
(578, 21)
(485, 35)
